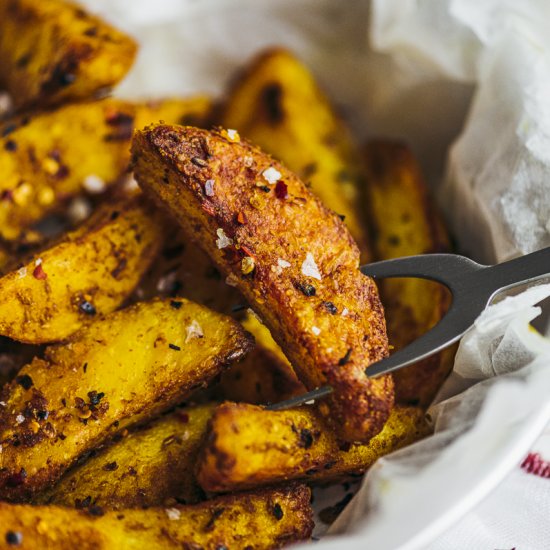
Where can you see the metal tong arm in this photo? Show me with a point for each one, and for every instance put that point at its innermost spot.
(472, 287)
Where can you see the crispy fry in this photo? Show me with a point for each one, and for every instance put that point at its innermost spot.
(152, 466)
(90, 271)
(294, 261)
(248, 446)
(48, 158)
(123, 369)
(264, 376)
(261, 520)
(54, 51)
(411, 226)
(278, 105)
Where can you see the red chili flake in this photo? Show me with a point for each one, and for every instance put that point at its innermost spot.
(281, 190)
(241, 218)
(183, 417)
(247, 251)
(39, 273)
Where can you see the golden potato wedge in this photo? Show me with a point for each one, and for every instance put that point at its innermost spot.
(277, 104)
(261, 520)
(90, 271)
(294, 261)
(248, 446)
(123, 369)
(55, 51)
(405, 222)
(47, 158)
(264, 375)
(154, 465)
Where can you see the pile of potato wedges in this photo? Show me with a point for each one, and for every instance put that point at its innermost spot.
(143, 328)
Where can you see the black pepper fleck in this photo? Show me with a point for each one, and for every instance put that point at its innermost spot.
(174, 347)
(345, 359)
(306, 289)
(306, 438)
(278, 512)
(330, 307)
(14, 538)
(175, 304)
(25, 381)
(87, 308)
(110, 467)
(10, 145)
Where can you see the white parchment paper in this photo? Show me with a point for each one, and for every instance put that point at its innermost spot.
(466, 82)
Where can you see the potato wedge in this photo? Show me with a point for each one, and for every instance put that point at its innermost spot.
(48, 158)
(248, 446)
(123, 369)
(54, 51)
(277, 104)
(261, 520)
(294, 261)
(263, 376)
(411, 226)
(154, 465)
(90, 271)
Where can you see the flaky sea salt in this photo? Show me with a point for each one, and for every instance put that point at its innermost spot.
(345, 312)
(223, 240)
(94, 184)
(316, 330)
(22, 272)
(19, 419)
(194, 330)
(38, 262)
(271, 175)
(233, 135)
(309, 267)
(6, 103)
(173, 513)
(209, 188)
(283, 263)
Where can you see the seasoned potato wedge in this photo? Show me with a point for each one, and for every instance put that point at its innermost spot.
(410, 226)
(47, 158)
(278, 105)
(90, 271)
(152, 466)
(123, 369)
(261, 520)
(248, 446)
(264, 376)
(54, 51)
(294, 261)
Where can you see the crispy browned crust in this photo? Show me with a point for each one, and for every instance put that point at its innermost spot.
(262, 520)
(123, 369)
(55, 51)
(411, 226)
(46, 158)
(330, 329)
(247, 446)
